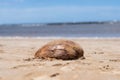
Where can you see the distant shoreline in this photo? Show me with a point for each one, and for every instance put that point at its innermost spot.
(61, 23)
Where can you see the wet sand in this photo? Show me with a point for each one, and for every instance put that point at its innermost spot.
(102, 61)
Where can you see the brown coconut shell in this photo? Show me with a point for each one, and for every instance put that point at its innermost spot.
(60, 49)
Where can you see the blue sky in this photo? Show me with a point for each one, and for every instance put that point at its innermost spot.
(44, 11)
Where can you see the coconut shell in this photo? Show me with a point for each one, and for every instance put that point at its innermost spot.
(60, 49)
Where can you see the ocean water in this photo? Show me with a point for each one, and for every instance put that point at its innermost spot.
(106, 30)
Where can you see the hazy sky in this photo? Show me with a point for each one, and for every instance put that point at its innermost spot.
(42, 11)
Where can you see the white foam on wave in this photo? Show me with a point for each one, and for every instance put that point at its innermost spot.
(18, 37)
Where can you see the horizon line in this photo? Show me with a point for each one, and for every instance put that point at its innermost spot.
(66, 22)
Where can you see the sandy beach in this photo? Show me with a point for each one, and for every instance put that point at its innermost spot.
(102, 61)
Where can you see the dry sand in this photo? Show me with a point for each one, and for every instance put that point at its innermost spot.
(102, 61)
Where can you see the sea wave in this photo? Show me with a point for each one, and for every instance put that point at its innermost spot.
(18, 37)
